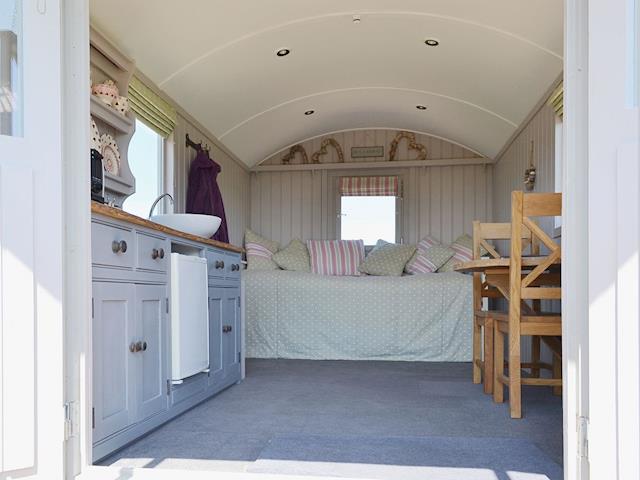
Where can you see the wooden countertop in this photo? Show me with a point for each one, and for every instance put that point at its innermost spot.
(119, 214)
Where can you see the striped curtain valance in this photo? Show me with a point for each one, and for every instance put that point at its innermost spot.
(556, 99)
(152, 109)
(369, 186)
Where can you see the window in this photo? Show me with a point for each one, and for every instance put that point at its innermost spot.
(368, 208)
(368, 218)
(146, 163)
(10, 68)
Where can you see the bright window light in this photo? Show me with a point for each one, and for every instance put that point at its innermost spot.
(145, 162)
(368, 218)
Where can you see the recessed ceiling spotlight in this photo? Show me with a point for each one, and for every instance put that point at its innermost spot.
(283, 52)
(421, 107)
(432, 42)
(309, 112)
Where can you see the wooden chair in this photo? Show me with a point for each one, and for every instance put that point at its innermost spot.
(482, 318)
(537, 283)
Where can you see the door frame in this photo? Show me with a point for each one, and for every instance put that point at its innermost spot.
(77, 217)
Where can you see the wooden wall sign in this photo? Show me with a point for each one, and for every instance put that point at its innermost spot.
(413, 145)
(367, 152)
(286, 160)
(315, 158)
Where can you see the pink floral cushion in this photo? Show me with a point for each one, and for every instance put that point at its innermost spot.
(336, 257)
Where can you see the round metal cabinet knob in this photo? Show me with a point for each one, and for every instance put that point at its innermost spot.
(132, 347)
(138, 346)
(123, 246)
(162, 253)
(155, 254)
(144, 346)
(219, 264)
(119, 246)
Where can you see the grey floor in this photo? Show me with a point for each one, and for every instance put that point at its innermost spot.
(360, 419)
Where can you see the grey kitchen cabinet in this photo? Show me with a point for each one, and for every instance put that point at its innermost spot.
(152, 329)
(216, 315)
(132, 393)
(114, 377)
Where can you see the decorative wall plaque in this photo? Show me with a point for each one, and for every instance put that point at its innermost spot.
(367, 152)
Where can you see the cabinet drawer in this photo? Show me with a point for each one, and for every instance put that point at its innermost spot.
(217, 263)
(232, 265)
(112, 246)
(153, 253)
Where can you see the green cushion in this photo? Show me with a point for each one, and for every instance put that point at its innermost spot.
(260, 252)
(387, 259)
(294, 256)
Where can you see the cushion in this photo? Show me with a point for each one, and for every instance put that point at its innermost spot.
(260, 251)
(430, 260)
(336, 257)
(294, 257)
(412, 266)
(387, 259)
(463, 248)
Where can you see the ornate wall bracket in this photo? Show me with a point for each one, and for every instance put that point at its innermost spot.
(413, 145)
(315, 158)
(286, 160)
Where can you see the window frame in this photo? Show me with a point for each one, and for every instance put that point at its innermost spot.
(335, 182)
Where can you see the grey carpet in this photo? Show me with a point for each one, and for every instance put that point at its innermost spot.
(435, 458)
(380, 401)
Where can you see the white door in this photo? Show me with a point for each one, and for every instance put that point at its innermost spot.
(31, 396)
(603, 239)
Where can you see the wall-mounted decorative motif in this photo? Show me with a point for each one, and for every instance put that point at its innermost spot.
(413, 145)
(286, 160)
(530, 173)
(367, 152)
(315, 158)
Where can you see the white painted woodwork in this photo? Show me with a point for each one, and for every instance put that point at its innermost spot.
(612, 147)
(494, 62)
(441, 201)
(152, 330)
(31, 261)
(114, 366)
(233, 179)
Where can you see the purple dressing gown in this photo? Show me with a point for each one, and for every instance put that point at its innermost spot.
(203, 193)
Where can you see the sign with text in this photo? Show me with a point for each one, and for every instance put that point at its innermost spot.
(366, 152)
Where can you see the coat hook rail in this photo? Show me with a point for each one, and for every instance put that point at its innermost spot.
(197, 146)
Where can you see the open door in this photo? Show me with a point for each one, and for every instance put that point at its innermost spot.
(31, 281)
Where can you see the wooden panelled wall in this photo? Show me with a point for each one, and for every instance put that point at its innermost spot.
(440, 201)
(233, 179)
(508, 171)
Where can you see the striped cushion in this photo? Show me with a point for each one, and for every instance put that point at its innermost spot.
(336, 257)
(418, 263)
(259, 252)
(463, 248)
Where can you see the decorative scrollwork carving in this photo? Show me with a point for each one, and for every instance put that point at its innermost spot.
(315, 158)
(286, 160)
(413, 145)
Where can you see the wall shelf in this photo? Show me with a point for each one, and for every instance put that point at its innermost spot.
(369, 165)
(110, 116)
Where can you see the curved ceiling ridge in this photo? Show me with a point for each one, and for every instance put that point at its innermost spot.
(359, 129)
(280, 26)
(349, 89)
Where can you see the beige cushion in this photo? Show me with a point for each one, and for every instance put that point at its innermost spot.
(294, 256)
(260, 252)
(387, 259)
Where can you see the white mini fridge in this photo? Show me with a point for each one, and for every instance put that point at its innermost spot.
(189, 316)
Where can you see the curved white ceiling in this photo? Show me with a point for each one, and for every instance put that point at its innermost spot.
(217, 59)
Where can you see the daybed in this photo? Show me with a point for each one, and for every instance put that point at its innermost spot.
(308, 316)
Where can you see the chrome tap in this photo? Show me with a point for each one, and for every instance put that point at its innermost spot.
(157, 200)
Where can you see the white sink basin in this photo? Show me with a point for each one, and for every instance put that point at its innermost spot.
(195, 224)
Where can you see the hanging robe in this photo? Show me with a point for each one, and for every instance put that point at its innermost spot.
(203, 192)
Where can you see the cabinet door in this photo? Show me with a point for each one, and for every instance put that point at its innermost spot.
(216, 313)
(231, 336)
(114, 365)
(151, 326)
